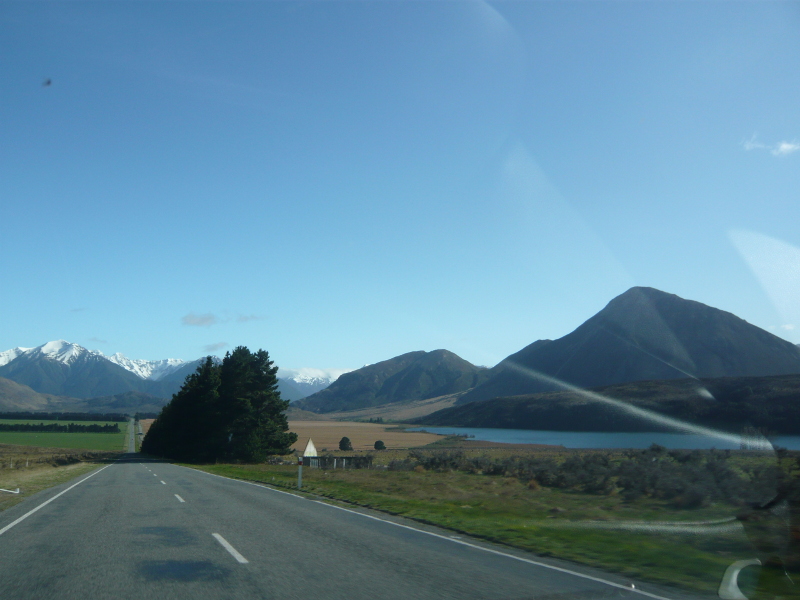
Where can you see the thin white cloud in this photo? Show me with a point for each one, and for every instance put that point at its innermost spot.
(216, 346)
(206, 320)
(98, 340)
(788, 327)
(783, 148)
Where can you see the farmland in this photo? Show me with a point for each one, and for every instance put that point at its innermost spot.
(326, 435)
(86, 441)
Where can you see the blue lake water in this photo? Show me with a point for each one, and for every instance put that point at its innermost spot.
(583, 439)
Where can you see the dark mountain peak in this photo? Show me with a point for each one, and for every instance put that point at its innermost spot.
(412, 376)
(643, 334)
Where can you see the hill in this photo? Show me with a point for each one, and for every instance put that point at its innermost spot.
(412, 376)
(729, 403)
(643, 334)
(18, 397)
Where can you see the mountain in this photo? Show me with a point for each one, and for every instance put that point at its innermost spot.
(643, 334)
(148, 369)
(728, 403)
(309, 381)
(412, 376)
(65, 369)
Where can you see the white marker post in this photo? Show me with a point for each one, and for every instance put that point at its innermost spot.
(299, 472)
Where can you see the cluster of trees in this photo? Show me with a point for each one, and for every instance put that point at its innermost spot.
(66, 416)
(686, 478)
(230, 410)
(56, 428)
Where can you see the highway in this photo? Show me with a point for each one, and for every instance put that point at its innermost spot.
(152, 530)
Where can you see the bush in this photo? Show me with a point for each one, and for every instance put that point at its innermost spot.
(379, 445)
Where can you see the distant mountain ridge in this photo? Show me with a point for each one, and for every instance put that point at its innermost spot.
(643, 334)
(412, 376)
(64, 369)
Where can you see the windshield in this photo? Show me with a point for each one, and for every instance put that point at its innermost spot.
(573, 223)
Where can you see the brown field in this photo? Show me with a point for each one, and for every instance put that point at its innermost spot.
(145, 423)
(326, 435)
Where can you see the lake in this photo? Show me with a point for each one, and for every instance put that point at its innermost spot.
(583, 439)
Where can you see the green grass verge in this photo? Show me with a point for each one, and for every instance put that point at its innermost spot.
(545, 521)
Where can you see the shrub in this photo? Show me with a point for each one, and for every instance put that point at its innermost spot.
(379, 445)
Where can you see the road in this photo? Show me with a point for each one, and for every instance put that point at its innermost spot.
(139, 529)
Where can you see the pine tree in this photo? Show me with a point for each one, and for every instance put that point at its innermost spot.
(231, 411)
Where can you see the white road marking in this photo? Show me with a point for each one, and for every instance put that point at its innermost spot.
(492, 551)
(162, 481)
(456, 541)
(46, 502)
(179, 498)
(230, 548)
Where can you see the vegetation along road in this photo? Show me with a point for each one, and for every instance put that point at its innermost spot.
(136, 528)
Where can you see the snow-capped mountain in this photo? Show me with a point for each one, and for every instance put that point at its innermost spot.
(63, 368)
(309, 380)
(67, 353)
(147, 369)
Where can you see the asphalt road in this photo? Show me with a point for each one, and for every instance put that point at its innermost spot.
(137, 529)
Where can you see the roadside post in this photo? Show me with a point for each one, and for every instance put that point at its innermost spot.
(299, 472)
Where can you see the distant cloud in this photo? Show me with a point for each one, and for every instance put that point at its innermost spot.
(215, 347)
(194, 320)
(98, 340)
(246, 318)
(787, 327)
(779, 149)
(78, 309)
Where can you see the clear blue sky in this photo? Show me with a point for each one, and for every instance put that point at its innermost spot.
(339, 183)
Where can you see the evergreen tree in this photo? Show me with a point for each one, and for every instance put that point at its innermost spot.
(345, 444)
(231, 411)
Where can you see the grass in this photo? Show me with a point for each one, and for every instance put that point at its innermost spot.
(584, 528)
(85, 441)
(33, 469)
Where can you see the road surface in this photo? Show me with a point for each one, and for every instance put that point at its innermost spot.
(139, 529)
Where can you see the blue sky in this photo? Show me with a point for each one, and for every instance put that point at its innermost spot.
(339, 183)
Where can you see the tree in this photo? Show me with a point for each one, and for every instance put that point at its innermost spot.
(230, 410)
(345, 444)
(379, 445)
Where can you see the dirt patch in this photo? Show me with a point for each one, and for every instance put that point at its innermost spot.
(146, 423)
(326, 435)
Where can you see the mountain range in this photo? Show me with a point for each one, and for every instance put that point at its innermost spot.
(61, 369)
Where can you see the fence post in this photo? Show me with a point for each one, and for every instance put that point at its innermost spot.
(299, 472)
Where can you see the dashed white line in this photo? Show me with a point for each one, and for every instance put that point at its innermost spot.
(230, 548)
(162, 481)
(179, 498)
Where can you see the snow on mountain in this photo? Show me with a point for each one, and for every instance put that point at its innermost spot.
(310, 380)
(9, 355)
(147, 369)
(61, 351)
(67, 353)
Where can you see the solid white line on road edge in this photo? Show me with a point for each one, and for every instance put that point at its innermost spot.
(450, 539)
(230, 548)
(162, 481)
(46, 502)
(179, 498)
(527, 560)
